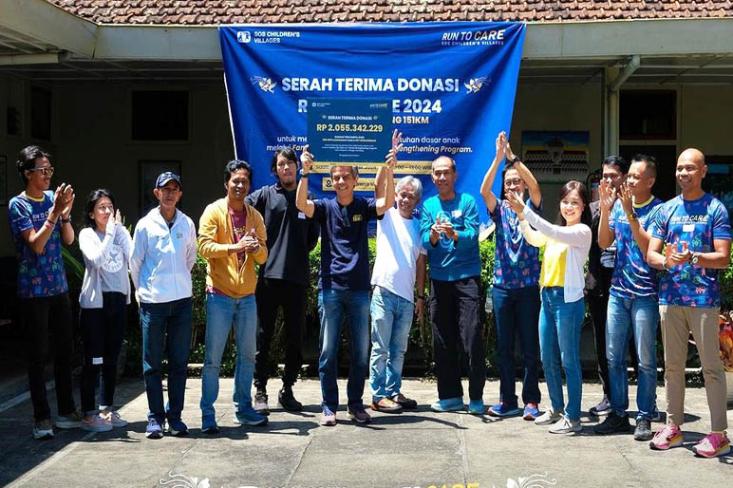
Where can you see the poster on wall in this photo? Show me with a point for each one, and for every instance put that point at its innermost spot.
(556, 156)
(449, 88)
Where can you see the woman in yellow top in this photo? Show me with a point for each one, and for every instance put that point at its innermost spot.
(566, 244)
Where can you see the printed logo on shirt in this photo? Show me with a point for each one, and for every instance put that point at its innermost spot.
(301, 215)
(179, 235)
(356, 218)
(114, 261)
(456, 213)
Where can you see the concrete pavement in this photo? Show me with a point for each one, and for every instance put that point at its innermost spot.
(416, 449)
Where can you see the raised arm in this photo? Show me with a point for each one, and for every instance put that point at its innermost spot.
(490, 176)
(95, 251)
(302, 202)
(574, 235)
(384, 182)
(532, 185)
(607, 199)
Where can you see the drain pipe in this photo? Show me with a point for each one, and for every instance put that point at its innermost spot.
(612, 97)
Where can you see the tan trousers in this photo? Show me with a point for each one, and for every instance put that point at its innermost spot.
(677, 323)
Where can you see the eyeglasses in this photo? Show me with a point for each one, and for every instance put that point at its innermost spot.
(285, 164)
(513, 182)
(45, 171)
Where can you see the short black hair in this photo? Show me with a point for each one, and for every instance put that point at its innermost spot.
(286, 152)
(651, 162)
(27, 160)
(92, 200)
(235, 165)
(619, 162)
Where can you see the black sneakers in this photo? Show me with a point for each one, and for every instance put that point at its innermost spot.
(613, 424)
(643, 430)
(288, 401)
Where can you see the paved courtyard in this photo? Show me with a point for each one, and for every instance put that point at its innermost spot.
(416, 449)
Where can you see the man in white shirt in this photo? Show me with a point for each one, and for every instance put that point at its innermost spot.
(399, 263)
(163, 253)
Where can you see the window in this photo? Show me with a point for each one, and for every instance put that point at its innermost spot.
(40, 113)
(159, 115)
(648, 114)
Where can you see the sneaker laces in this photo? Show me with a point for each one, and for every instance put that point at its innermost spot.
(713, 441)
(667, 432)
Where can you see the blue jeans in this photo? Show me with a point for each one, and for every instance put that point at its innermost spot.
(560, 326)
(335, 307)
(223, 313)
(166, 327)
(516, 311)
(640, 317)
(391, 322)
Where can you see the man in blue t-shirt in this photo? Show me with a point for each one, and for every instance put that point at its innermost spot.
(515, 292)
(344, 281)
(449, 232)
(633, 310)
(39, 223)
(691, 241)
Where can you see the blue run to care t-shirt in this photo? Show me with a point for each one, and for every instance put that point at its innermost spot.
(697, 223)
(517, 263)
(344, 244)
(450, 260)
(632, 276)
(39, 275)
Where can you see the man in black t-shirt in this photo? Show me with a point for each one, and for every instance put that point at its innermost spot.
(283, 280)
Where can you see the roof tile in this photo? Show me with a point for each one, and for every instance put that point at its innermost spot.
(198, 12)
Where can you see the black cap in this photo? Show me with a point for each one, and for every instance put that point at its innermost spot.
(166, 177)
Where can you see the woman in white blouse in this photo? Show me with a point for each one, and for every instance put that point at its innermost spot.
(105, 293)
(566, 246)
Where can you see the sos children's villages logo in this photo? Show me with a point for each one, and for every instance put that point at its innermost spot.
(244, 37)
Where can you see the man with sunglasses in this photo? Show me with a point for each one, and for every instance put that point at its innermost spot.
(39, 223)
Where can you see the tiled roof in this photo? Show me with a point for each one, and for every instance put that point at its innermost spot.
(207, 12)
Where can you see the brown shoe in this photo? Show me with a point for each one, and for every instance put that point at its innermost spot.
(404, 402)
(386, 405)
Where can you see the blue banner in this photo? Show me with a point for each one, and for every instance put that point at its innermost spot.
(451, 88)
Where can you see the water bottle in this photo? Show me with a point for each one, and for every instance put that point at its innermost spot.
(489, 302)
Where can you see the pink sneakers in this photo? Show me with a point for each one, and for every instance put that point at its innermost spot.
(712, 445)
(670, 436)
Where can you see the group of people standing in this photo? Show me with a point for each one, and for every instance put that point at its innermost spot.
(256, 246)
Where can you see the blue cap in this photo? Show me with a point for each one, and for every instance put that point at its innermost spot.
(166, 177)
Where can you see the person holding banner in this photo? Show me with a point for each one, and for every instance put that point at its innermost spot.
(515, 292)
(449, 231)
(399, 264)
(566, 244)
(344, 282)
(283, 280)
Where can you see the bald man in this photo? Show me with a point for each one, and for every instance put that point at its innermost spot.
(449, 231)
(694, 231)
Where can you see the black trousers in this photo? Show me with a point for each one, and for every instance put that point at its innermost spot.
(102, 332)
(454, 313)
(39, 316)
(271, 295)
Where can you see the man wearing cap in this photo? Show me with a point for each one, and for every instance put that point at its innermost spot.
(164, 251)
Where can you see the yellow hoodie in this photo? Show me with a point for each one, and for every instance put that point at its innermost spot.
(216, 236)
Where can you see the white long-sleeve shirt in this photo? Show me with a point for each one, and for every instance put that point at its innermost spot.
(577, 237)
(162, 258)
(105, 261)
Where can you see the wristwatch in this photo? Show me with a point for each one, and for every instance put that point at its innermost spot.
(302, 174)
(631, 216)
(514, 159)
(694, 259)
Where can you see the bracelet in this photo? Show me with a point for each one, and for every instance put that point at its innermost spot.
(421, 297)
(50, 222)
(65, 221)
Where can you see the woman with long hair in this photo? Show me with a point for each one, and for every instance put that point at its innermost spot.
(105, 293)
(566, 245)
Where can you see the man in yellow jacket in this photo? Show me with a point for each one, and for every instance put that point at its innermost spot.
(232, 239)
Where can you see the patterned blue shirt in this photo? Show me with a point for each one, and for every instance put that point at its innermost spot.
(516, 263)
(696, 223)
(632, 276)
(39, 275)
